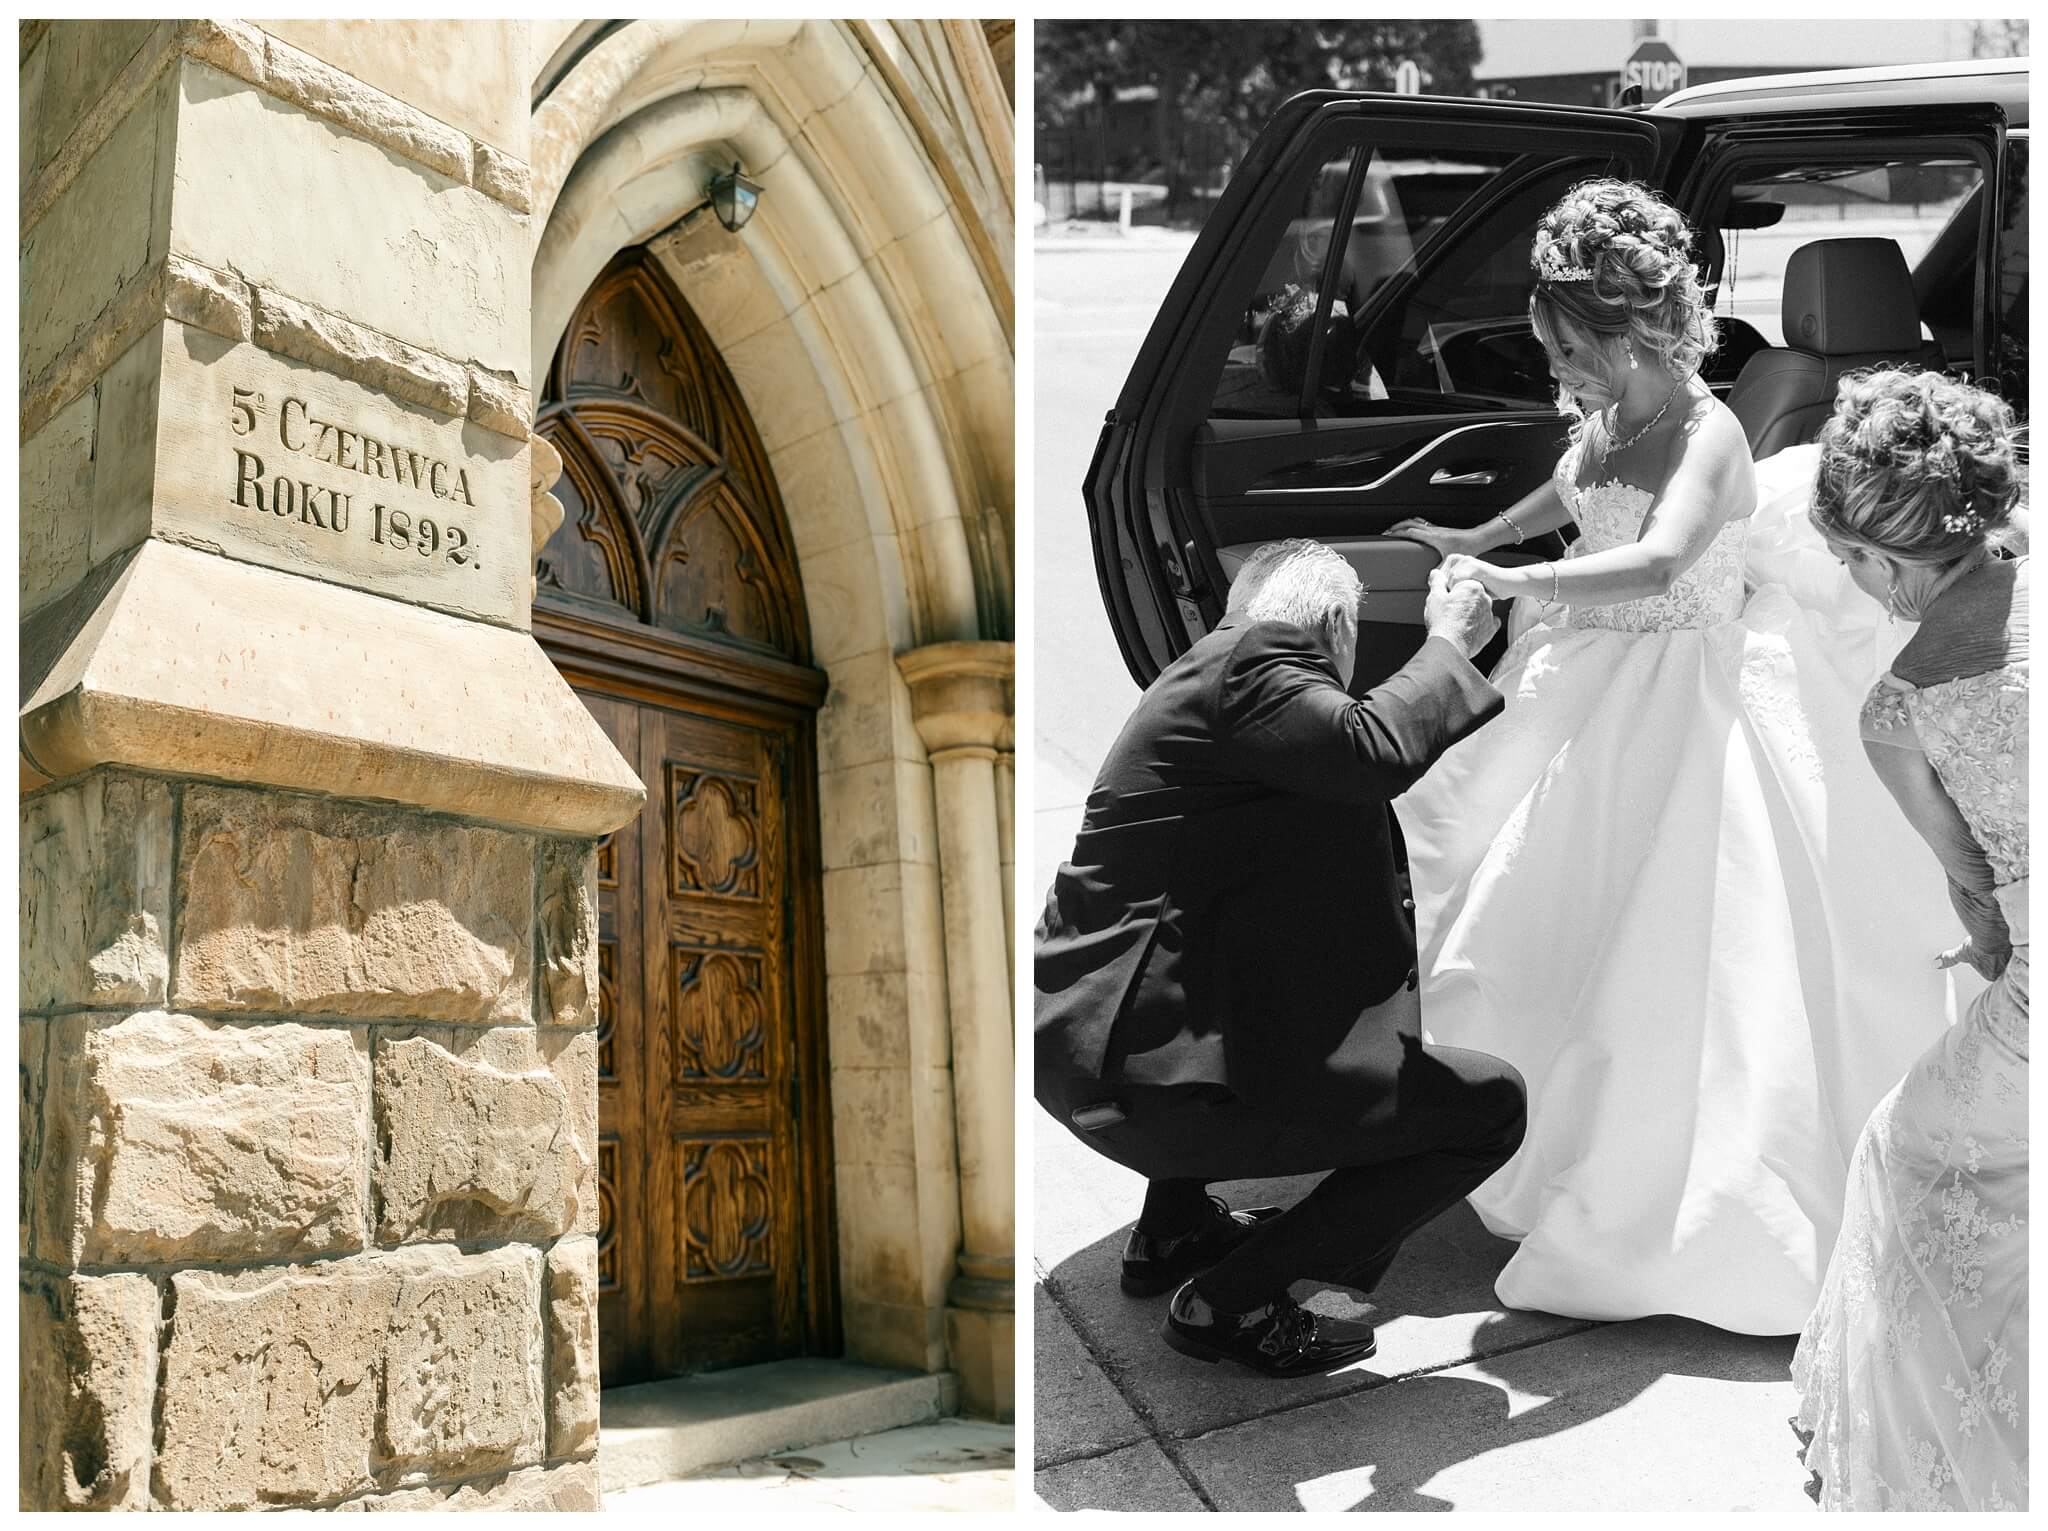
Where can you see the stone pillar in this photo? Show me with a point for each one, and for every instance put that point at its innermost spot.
(307, 887)
(962, 701)
(1006, 829)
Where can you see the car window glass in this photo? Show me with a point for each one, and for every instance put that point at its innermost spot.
(2012, 279)
(1429, 307)
(1263, 374)
(1929, 205)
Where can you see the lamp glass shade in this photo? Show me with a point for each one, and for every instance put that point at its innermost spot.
(734, 196)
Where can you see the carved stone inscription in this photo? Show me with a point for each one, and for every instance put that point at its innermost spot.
(266, 459)
(301, 435)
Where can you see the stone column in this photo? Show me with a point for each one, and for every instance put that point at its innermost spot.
(307, 888)
(961, 700)
(1006, 829)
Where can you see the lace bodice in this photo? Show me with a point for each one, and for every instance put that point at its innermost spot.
(1610, 515)
(1974, 731)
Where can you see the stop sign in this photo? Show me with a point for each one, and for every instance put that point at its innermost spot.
(1656, 68)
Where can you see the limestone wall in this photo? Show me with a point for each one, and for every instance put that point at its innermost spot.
(308, 1164)
(308, 983)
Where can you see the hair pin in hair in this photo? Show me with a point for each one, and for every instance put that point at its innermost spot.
(1964, 521)
(1552, 266)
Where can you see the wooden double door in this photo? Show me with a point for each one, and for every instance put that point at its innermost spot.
(713, 1190)
(670, 599)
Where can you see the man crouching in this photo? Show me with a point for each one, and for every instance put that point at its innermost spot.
(1225, 970)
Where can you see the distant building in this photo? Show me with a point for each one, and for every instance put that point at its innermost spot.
(1578, 63)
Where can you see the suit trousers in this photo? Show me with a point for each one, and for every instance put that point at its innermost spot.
(1398, 1152)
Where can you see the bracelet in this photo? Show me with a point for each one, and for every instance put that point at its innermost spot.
(1520, 536)
(1553, 584)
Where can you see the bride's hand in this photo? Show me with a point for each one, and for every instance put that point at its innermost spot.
(1457, 566)
(1445, 539)
(1988, 964)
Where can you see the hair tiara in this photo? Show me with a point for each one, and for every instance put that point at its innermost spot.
(1552, 266)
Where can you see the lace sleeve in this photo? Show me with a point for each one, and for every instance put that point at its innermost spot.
(1902, 765)
(1886, 717)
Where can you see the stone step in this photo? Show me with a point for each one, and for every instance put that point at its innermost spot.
(654, 1431)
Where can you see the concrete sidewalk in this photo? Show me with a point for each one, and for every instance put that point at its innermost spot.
(946, 1464)
(1466, 1406)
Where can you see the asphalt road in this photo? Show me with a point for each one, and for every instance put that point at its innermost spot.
(1093, 307)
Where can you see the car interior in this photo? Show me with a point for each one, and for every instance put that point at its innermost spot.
(1396, 374)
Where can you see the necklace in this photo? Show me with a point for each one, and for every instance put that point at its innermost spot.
(1648, 425)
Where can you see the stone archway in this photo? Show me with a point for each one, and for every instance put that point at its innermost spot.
(864, 315)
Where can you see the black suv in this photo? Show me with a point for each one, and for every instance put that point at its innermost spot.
(1294, 385)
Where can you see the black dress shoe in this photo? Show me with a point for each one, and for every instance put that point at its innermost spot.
(1153, 1265)
(1282, 1339)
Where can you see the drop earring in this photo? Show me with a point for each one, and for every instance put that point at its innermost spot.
(1631, 345)
(1891, 601)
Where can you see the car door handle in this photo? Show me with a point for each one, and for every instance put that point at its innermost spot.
(1475, 478)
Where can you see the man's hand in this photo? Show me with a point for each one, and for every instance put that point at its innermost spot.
(1460, 612)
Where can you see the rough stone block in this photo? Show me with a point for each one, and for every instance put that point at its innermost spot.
(364, 111)
(56, 503)
(316, 907)
(95, 892)
(567, 1486)
(84, 59)
(474, 1138)
(335, 344)
(572, 1057)
(471, 74)
(168, 1139)
(305, 1384)
(452, 266)
(567, 891)
(32, 1034)
(572, 1347)
(216, 301)
(100, 236)
(501, 176)
(88, 1369)
(500, 404)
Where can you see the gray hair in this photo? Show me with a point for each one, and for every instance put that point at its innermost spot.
(1302, 582)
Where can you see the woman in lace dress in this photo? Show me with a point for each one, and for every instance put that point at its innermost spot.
(1912, 1371)
(1652, 884)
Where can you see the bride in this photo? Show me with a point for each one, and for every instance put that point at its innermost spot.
(1665, 884)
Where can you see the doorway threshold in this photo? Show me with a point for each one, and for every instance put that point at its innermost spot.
(651, 1432)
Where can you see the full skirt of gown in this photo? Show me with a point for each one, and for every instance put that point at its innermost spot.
(1667, 886)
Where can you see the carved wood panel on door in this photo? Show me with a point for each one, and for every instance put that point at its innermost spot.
(670, 599)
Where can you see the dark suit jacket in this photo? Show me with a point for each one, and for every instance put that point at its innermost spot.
(1232, 912)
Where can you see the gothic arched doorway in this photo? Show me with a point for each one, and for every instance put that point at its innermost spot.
(669, 598)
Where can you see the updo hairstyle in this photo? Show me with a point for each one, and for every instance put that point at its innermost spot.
(1916, 466)
(1639, 281)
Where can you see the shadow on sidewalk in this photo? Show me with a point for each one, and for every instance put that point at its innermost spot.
(1379, 1431)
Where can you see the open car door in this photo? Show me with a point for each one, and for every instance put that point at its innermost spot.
(1346, 345)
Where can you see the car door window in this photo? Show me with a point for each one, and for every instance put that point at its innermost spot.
(1427, 308)
(2012, 278)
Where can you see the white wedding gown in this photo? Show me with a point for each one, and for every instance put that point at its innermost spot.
(1666, 885)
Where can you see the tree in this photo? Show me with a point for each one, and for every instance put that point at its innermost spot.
(1998, 39)
(1241, 71)
(1227, 75)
